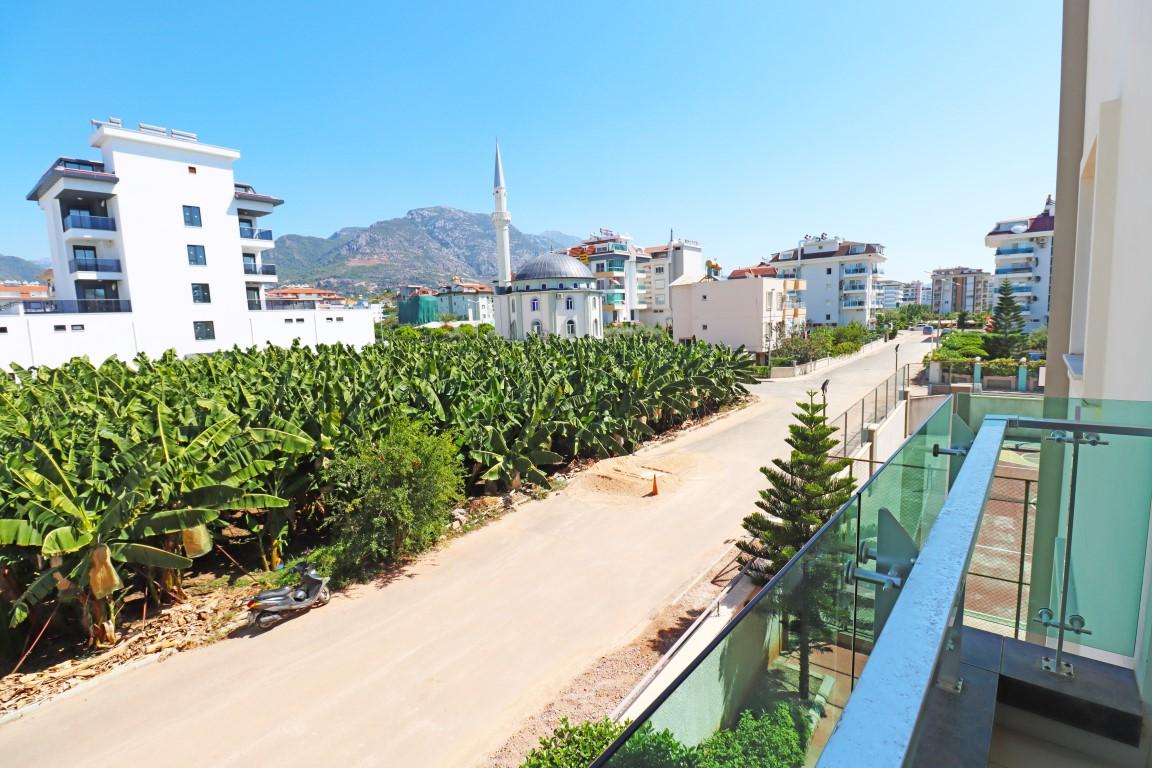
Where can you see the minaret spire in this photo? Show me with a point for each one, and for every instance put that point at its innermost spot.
(498, 176)
(501, 220)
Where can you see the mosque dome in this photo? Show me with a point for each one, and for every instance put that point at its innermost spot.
(551, 266)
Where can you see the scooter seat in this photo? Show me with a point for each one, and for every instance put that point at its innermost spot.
(274, 593)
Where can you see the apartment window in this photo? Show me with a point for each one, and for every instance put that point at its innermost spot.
(827, 317)
(192, 216)
(339, 319)
(59, 328)
(192, 170)
(537, 329)
(85, 256)
(329, 320)
(287, 321)
(204, 330)
(569, 303)
(704, 326)
(571, 325)
(828, 270)
(299, 320)
(659, 270)
(659, 299)
(704, 297)
(535, 305)
(78, 327)
(3, 329)
(196, 255)
(201, 293)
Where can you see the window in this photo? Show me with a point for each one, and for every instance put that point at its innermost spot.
(660, 299)
(571, 325)
(704, 326)
(828, 271)
(299, 320)
(3, 329)
(85, 256)
(704, 297)
(287, 321)
(59, 328)
(536, 328)
(78, 327)
(201, 294)
(536, 306)
(204, 330)
(196, 255)
(569, 303)
(659, 270)
(192, 216)
(827, 317)
(339, 319)
(329, 320)
(192, 170)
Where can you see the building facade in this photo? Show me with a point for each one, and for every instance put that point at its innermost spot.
(551, 294)
(754, 312)
(467, 301)
(669, 262)
(621, 270)
(1024, 258)
(962, 289)
(839, 276)
(156, 246)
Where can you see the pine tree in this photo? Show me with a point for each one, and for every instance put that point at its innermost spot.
(804, 491)
(1006, 339)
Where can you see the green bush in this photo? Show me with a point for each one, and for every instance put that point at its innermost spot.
(853, 333)
(845, 348)
(773, 738)
(573, 746)
(485, 328)
(649, 748)
(967, 344)
(391, 498)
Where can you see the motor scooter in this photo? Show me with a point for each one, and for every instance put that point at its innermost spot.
(273, 606)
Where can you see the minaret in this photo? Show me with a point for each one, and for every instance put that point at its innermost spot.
(501, 219)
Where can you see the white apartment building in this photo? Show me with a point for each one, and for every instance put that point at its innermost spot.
(753, 312)
(839, 276)
(669, 262)
(154, 247)
(1024, 258)
(467, 301)
(962, 289)
(621, 270)
(891, 293)
(917, 292)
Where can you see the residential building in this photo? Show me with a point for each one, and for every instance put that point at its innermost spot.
(156, 246)
(891, 293)
(961, 289)
(1024, 258)
(840, 278)
(755, 312)
(303, 295)
(15, 292)
(917, 292)
(669, 262)
(550, 294)
(467, 301)
(1003, 550)
(621, 270)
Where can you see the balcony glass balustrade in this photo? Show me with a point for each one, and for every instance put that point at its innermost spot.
(252, 233)
(54, 306)
(1013, 270)
(93, 265)
(260, 269)
(85, 221)
(1010, 250)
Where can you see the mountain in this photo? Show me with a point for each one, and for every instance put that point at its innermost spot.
(15, 268)
(427, 246)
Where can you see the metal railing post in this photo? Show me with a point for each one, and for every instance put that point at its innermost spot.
(1023, 546)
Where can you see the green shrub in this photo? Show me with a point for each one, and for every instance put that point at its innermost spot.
(845, 348)
(774, 738)
(853, 333)
(391, 498)
(485, 328)
(573, 746)
(466, 330)
(649, 748)
(968, 344)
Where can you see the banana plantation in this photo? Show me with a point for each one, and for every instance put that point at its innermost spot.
(114, 478)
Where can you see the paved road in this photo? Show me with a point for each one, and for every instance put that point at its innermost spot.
(440, 666)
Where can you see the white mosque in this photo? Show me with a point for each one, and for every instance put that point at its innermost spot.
(550, 294)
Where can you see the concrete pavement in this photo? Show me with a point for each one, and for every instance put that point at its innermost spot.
(439, 666)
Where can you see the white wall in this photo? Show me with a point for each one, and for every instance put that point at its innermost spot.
(730, 312)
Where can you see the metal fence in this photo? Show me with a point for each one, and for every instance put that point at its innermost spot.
(996, 591)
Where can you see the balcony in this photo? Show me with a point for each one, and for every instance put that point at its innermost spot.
(1013, 250)
(855, 270)
(55, 306)
(983, 590)
(613, 268)
(282, 304)
(613, 299)
(260, 269)
(853, 285)
(1014, 270)
(83, 221)
(93, 265)
(1021, 289)
(251, 233)
(853, 303)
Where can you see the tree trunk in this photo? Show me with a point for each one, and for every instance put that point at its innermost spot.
(100, 623)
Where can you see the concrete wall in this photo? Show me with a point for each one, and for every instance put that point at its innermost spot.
(732, 312)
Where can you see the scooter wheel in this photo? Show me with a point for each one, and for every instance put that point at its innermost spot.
(267, 620)
(324, 596)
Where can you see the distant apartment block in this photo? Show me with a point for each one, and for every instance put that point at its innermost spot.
(750, 310)
(621, 271)
(1024, 258)
(467, 301)
(891, 293)
(961, 289)
(669, 262)
(917, 292)
(156, 246)
(839, 276)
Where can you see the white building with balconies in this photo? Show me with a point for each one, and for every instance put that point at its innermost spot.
(154, 247)
(1024, 258)
(840, 278)
(621, 271)
(668, 263)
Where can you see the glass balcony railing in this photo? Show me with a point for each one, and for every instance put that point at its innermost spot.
(610, 266)
(1010, 250)
(853, 285)
(93, 265)
(251, 233)
(789, 660)
(614, 298)
(260, 269)
(1014, 270)
(84, 221)
(855, 270)
(1021, 289)
(289, 304)
(55, 306)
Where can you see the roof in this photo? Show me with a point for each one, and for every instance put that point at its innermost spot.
(466, 287)
(258, 198)
(1043, 222)
(552, 265)
(841, 250)
(304, 291)
(57, 171)
(760, 270)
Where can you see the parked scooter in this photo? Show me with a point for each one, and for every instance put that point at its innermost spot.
(273, 606)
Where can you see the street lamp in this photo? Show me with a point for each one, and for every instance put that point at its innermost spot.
(824, 391)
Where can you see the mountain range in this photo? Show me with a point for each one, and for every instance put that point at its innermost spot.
(428, 246)
(16, 268)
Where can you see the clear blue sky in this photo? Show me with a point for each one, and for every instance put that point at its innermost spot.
(743, 125)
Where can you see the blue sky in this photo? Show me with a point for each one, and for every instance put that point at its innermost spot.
(743, 125)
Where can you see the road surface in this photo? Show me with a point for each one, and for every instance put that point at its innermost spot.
(440, 666)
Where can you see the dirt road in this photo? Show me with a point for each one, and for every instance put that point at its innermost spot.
(439, 666)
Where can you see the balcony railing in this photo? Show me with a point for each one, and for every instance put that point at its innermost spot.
(82, 221)
(613, 298)
(251, 233)
(1013, 270)
(260, 269)
(852, 285)
(1022, 289)
(53, 306)
(855, 270)
(823, 612)
(1010, 250)
(288, 304)
(254, 304)
(93, 265)
(611, 266)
